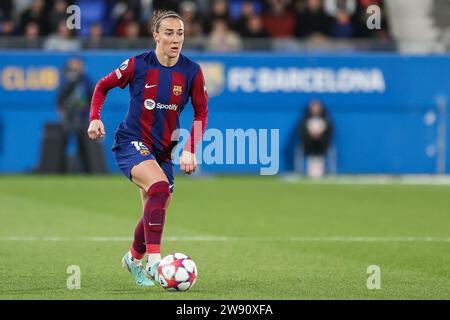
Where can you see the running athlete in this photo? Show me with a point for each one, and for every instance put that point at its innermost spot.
(160, 82)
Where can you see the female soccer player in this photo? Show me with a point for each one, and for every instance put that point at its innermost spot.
(160, 82)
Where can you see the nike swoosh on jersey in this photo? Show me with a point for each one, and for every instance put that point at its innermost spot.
(150, 86)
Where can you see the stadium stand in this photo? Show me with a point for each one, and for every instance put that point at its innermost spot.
(299, 24)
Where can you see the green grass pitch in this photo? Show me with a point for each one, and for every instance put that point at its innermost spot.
(251, 237)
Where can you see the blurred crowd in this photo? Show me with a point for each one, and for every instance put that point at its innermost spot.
(220, 24)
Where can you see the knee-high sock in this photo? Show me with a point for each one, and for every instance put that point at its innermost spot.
(138, 247)
(155, 215)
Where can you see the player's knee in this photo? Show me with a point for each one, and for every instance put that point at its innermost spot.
(159, 194)
(145, 174)
(159, 187)
(150, 185)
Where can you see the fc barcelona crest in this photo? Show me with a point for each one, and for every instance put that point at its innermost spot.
(177, 90)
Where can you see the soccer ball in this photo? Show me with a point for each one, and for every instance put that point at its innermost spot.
(177, 272)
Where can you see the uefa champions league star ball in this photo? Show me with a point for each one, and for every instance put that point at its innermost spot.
(177, 272)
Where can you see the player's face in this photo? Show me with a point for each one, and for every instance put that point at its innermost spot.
(170, 37)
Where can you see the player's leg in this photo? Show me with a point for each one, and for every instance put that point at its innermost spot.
(144, 198)
(142, 176)
(128, 156)
(132, 260)
(138, 247)
(149, 176)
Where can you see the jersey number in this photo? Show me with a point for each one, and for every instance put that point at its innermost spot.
(139, 145)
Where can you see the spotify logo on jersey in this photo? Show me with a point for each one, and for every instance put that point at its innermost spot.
(149, 104)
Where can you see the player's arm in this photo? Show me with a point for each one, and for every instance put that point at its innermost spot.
(117, 78)
(199, 98)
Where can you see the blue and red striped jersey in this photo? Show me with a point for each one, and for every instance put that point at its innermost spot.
(158, 95)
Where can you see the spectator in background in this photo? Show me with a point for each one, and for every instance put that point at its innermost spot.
(254, 28)
(189, 12)
(62, 41)
(37, 14)
(32, 31)
(132, 35)
(7, 28)
(117, 10)
(247, 11)
(120, 6)
(147, 28)
(74, 96)
(6, 22)
(316, 131)
(132, 31)
(343, 26)
(32, 34)
(255, 31)
(313, 21)
(94, 40)
(222, 38)
(279, 22)
(332, 7)
(128, 17)
(219, 10)
(57, 14)
(73, 102)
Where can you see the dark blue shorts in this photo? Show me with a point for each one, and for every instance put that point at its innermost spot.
(130, 154)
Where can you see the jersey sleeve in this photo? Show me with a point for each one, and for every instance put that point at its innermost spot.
(199, 98)
(120, 77)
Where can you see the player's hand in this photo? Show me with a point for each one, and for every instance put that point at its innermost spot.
(188, 162)
(96, 129)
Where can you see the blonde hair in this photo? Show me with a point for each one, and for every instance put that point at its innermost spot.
(160, 15)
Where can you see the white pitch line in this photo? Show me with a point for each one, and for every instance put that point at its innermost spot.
(229, 239)
(440, 180)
